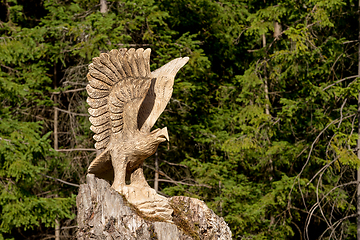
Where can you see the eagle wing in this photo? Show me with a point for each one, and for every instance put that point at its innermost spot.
(118, 83)
(159, 93)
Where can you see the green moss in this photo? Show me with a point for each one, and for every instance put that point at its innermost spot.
(181, 209)
(153, 235)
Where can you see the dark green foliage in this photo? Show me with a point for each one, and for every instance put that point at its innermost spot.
(262, 127)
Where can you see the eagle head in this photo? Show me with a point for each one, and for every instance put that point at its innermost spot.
(160, 135)
(146, 144)
(155, 138)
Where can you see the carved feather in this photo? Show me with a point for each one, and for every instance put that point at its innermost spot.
(97, 121)
(96, 93)
(125, 96)
(115, 117)
(115, 109)
(95, 83)
(116, 123)
(115, 55)
(101, 67)
(159, 93)
(102, 167)
(117, 129)
(126, 65)
(139, 58)
(101, 136)
(95, 112)
(96, 103)
(103, 143)
(101, 128)
(99, 76)
(117, 79)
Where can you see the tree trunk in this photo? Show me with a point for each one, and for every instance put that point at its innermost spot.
(56, 112)
(103, 6)
(56, 143)
(267, 112)
(105, 214)
(57, 229)
(266, 87)
(277, 29)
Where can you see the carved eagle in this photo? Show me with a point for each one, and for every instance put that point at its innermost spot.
(126, 99)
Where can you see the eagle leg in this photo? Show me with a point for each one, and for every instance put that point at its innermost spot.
(119, 174)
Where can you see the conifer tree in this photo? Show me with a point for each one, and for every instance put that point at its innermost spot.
(262, 121)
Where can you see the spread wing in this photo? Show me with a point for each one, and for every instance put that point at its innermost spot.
(159, 93)
(118, 83)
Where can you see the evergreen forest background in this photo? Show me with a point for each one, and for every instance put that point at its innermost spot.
(263, 119)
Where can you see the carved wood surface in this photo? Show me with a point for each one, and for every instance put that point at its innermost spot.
(105, 214)
(125, 100)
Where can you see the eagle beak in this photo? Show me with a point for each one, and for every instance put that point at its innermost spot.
(163, 133)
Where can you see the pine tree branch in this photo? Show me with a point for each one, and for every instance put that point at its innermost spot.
(334, 226)
(341, 80)
(87, 13)
(169, 179)
(180, 182)
(174, 164)
(134, 45)
(62, 181)
(73, 113)
(70, 91)
(76, 149)
(311, 149)
(9, 68)
(317, 138)
(6, 140)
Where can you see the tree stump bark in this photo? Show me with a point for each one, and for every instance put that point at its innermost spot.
(105, 214)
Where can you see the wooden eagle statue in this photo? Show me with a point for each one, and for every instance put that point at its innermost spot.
(125, 100)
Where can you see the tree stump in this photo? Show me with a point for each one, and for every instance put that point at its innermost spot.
(105, 214)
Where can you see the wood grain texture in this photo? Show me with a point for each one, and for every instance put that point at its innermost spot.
(159, 93)
(125, 101)
(116, 78)
(104, 214)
